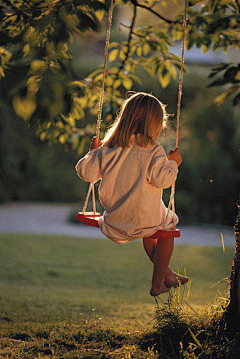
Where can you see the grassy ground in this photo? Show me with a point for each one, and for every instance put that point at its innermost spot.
(66, 297)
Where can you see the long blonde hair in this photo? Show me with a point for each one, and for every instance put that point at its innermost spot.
(143, 115)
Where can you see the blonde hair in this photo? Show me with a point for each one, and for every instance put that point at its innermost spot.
(143, 115)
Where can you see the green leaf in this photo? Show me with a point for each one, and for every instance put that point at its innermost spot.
(127, 83)
(2, 74)
(122, 55)
(190, 43)
(218, 82)
(24, 107)
(231, 73)
(100, 14)
(43, 135)
(95, 73)
(98, 77)
(71, 121)
(139, 51)
(38, 67)
(82, 145)
(62, 139)
(236, 100)
(117, 83)
(113, 44)
(171, 70)
(26, 50)
(164, 79)
(75, 142)
(237, 76)
(113, 55)
(135, 78)
(146, 49)
(219, 100)
(205, 49)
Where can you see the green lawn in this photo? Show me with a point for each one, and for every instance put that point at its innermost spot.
(45, 278)
(50, 282)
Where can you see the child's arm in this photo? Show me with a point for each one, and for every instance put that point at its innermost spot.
(163, 170)
(88, 167)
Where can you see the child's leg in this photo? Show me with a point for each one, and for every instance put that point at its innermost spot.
(171, 278)
(149, 245)
(162, 256)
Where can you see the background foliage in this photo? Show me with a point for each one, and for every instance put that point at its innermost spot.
(49, 93)
(51, 78)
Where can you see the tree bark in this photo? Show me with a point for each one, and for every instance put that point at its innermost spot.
(233, 309)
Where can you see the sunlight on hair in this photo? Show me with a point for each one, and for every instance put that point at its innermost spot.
(141, 119)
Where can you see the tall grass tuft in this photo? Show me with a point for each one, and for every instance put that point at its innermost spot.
(181, 332)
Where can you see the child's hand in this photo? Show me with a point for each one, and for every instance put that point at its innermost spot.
(95, 144)
(175, 156)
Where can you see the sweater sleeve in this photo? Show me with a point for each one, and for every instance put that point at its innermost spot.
(89, 167)
(162, 173)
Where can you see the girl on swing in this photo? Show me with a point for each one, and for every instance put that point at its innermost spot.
(134, 170)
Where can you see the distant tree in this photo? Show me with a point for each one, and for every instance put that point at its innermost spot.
(36, 69)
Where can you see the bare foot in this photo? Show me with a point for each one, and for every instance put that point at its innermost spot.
(162, 288)
(173, 279)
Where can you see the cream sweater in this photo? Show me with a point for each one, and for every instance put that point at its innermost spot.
(132, 182)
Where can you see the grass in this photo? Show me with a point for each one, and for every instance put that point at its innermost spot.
(180, 334)
(66, 297)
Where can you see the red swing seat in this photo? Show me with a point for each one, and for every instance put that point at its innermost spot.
(91, 219)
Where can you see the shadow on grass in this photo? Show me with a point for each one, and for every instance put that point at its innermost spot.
(179, 332)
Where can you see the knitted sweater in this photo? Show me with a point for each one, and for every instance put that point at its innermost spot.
(132, 182)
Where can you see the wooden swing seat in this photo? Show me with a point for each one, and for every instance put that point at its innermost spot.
(91, 219)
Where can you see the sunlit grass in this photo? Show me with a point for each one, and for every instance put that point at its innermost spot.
(45, 278)
(181, 333)
(89, 298)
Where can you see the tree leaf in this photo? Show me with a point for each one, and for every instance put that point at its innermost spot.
(219, 100)
(117, 83)
(164, 80)
(139, 51)
(231, 73)
(24, 107)
(218, 82)
(220, 67)
(237, 76)
(113, 55)
(205, 49)
(190, 43)
(127, 83)
(146, 49)
(2, 74)
(122, 54)
(236, 100)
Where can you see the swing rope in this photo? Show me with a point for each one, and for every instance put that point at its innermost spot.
(172, 195)
(99, 119)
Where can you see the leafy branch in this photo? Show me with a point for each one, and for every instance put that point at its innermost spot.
(230, 77)
(37, 75)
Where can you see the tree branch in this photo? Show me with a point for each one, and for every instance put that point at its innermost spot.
(238, 4)
(133, 33)
(135, 3)
(126, 55)
(129, 40)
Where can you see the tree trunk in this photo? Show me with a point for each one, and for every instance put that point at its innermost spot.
(233, 309)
